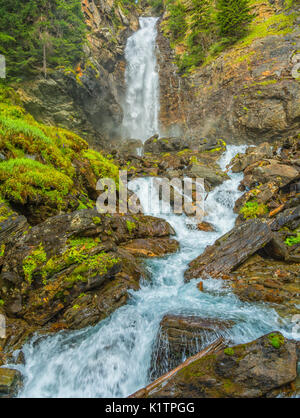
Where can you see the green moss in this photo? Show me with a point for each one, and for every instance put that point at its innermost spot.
(2, 250)
(97, 220)
(253, 209)
(276, 340)
(130, 226)
(229, 351)
(1, 302)
(290, 241)
(25, 179)
(33, 261)
(101, 166)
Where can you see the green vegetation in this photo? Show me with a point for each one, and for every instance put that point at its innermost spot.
(130, 226)
(39, 166)
(201, 29)
(276, 340)
(1, 302)
(33, 261)
(37, 34)
(233, 17)
(203, 26)
(229, 351)
(290, 241)
(253, 209)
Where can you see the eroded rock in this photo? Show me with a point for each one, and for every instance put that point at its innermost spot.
(181, 337)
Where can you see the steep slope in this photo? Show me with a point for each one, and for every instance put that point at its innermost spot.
(247, 93)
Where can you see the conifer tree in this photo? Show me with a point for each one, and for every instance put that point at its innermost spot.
(233, 17)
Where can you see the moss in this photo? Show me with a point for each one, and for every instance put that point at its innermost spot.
(130, 226)
(33, 261)
(25, 179)
(276, 340)
(2, 250)
(229, 351)
(1, 302)
(253, 209)
(97, 220)
(290, 241)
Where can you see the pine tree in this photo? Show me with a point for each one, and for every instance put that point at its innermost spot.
(38, 34)
(233, 17)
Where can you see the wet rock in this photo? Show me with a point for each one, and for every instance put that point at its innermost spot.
(73, 269)
(10, 382)
(157, 247)
(244, 371)
(181, 337)
(230, 251)
(206, 227)
(213, 176)
(261, 279)
(157, 145)
(241, 161)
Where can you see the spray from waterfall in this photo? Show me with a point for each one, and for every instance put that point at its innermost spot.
(141, 107)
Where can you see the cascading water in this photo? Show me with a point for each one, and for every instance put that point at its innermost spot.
(113, 358)
(142, 83)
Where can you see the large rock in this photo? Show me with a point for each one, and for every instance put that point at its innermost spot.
(181, 337)
(72, 270)
(151, 247)
(10, 382)
(230, 251)
(250, 370)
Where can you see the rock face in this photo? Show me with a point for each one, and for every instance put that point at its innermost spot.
(10, 383)
(181, 337)
(73, 270)
(247, 94)
(251, 370)
(230, 251)
(88, 100)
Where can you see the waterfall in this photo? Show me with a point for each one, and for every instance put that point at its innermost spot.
(141, 105)
(113, 358)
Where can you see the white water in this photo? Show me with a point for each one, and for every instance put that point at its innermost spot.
(112, 359)
(141, 106)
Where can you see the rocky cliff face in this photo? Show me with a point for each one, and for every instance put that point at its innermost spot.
(88, 100)
(247, 94)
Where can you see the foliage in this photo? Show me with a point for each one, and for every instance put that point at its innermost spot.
(33, 261)
(253, 209)
(229, 351)
(130, 226)
(39, 165)
(290, 241)
(233, 16)
(276, 340)
(35, 32)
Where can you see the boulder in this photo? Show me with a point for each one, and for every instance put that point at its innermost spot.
(151, 247)
(181, 337)
(229, 251)
(10, 382)
(253, 154)
(211, 175)
(156, 145)
(250, 370)
(73, 270)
